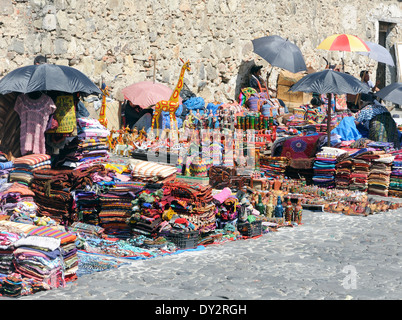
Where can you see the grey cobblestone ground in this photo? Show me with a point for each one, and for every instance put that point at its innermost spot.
(332, 257)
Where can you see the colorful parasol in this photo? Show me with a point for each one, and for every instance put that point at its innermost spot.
(344, 42)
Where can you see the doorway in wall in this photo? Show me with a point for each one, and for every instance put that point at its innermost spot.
(386, 74)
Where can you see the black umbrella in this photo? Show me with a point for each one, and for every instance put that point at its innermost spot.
(329, 82)
(47, 77)
(280, 53)
(392, 92)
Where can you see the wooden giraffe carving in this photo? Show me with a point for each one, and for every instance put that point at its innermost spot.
(172, 104)
(102, 112)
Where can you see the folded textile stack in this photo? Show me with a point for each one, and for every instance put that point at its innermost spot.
(114, 212)
(5, 167)
(25, 166)
(395, 184)
(324, 170)
(387, 147)
(87, 204)
(14, 285)
(359, 176)
(68, 248)
(6, 250)
(147, 210)
(193, 202)
(11, 285)
(39, 258)
(26, 212)
(148, 171)
(89, 146)
(379, 176)
(51, 196)
(344, 169)
(325, 166)
(203, 217)
(17, 200)
(274, 167)
(16, 227)
(194, 194)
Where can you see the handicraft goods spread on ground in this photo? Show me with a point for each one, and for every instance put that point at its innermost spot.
(229, 172)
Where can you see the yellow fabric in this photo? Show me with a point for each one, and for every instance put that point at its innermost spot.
(115, 167)
(65, 115)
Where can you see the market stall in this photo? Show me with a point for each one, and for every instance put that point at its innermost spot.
(230, 171)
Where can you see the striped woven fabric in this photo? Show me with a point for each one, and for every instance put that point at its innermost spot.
(22, 227)
(148, 169)
(45, 231)
(31, 160)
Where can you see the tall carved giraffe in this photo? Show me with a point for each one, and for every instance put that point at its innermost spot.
(102, 112)
(172, 104)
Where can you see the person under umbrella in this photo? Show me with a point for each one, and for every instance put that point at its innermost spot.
(137, 116)
(258, 83)
(375, 122)
(365, 77)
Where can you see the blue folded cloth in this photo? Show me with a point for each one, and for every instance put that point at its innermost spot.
(6, 165)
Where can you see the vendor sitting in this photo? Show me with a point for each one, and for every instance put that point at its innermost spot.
(258, 83)
(313, 109)
(375, 122)
(136, 116)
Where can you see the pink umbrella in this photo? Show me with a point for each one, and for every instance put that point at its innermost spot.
(147, 93)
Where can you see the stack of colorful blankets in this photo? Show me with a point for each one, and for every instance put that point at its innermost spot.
(344, 170)
(26, 166)
(43, 253)
(147, 211)
(379, 176)
(193, 202)
(325, 166)
(5, 167)
(86, 230)
(89, 146)
(7, 238)
(87, 204)
(359, 176)
(377, 170)
(17, 203)
(114, 212)
(68, 248)
(52, 195)
(274, 167)
(395, 184)
(39, 258)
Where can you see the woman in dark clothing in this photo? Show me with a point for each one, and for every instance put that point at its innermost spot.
(256, 80)
(133, 113)
(258, 83)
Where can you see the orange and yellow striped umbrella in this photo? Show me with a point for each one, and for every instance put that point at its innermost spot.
(344, 42)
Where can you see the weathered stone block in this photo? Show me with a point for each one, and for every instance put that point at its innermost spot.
(49, 22)
(6, 7)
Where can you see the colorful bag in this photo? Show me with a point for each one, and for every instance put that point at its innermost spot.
(257, 100)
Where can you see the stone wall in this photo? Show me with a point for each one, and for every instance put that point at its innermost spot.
(117, 40)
